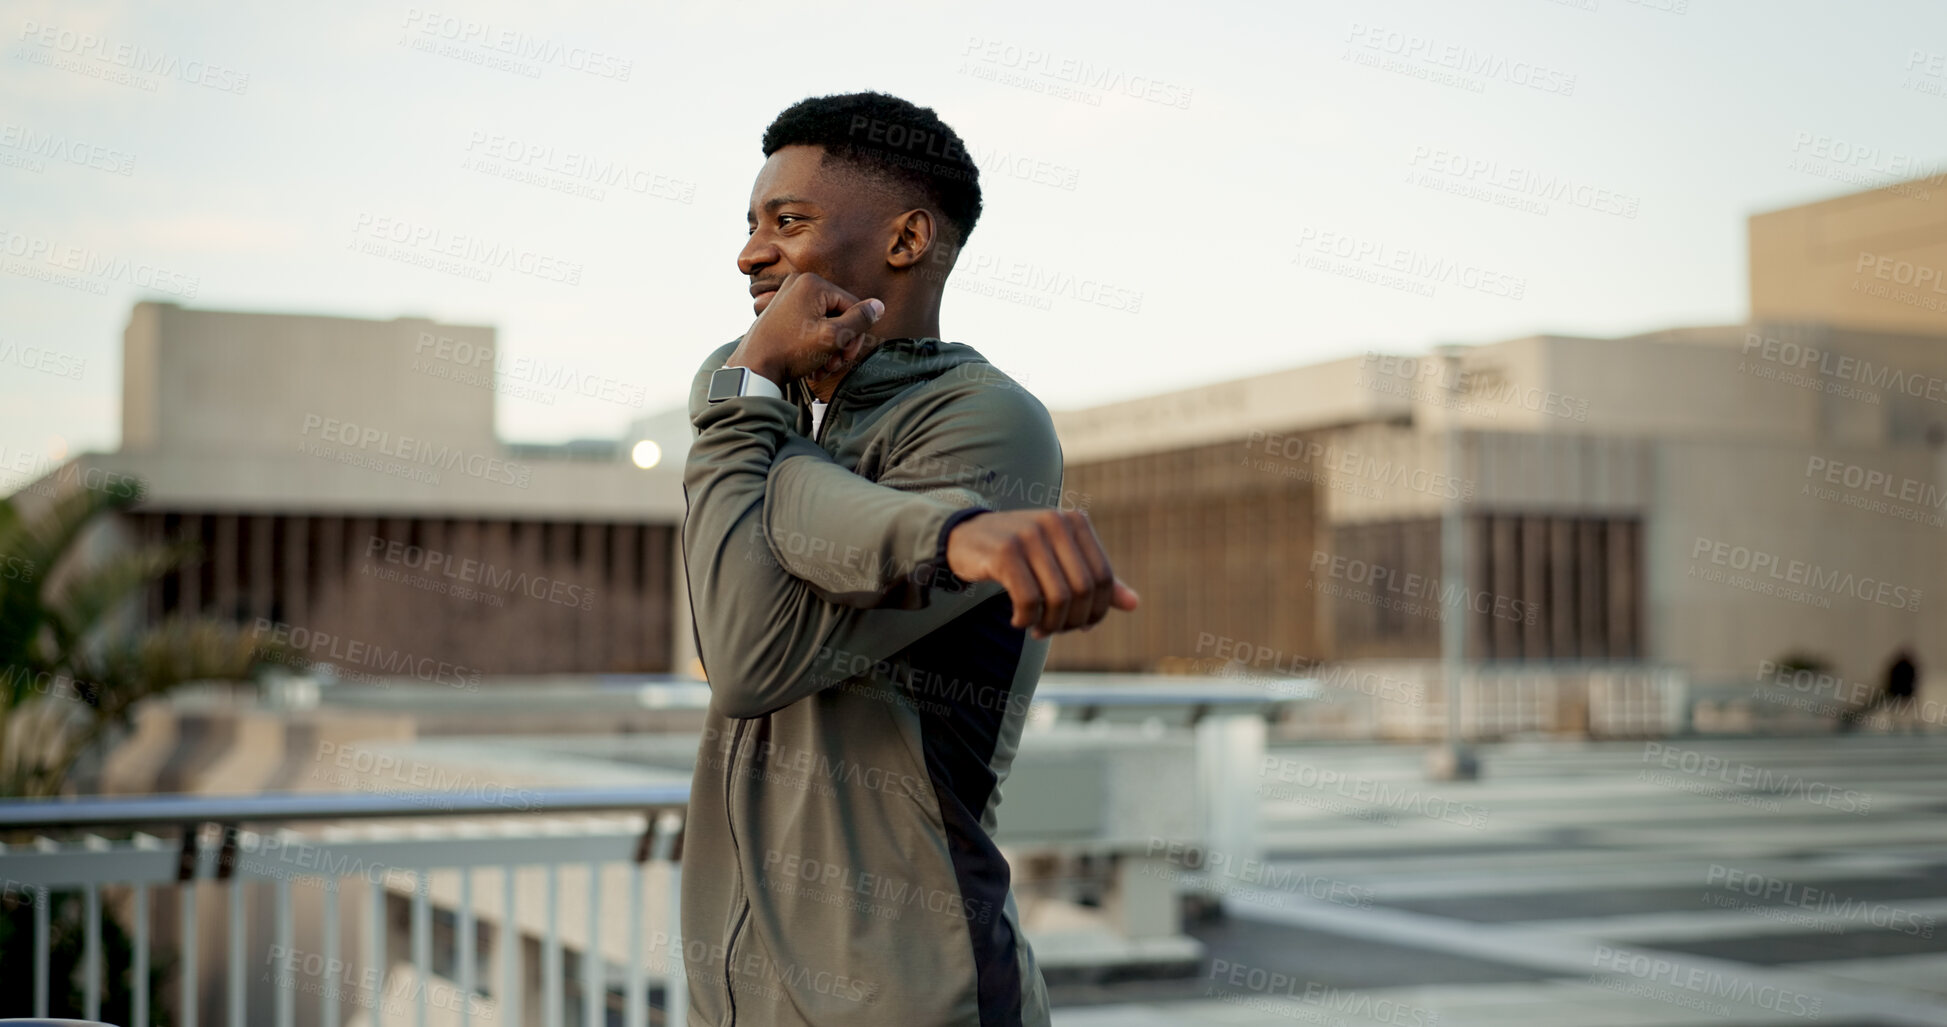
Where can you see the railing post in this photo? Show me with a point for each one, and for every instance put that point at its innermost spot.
(422, 941)
(594, 991)
(463, 946)
(41, 899)
(1230, 749)
(328, 1000)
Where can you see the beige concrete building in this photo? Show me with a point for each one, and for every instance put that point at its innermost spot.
(1874, 259)
(344, 483)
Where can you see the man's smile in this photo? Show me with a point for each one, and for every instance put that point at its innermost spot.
(761, 293)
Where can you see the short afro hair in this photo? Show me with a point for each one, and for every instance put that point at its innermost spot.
(892, 140)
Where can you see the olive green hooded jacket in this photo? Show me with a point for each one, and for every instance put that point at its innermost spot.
(839, 866)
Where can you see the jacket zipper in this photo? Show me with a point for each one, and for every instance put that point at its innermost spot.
(736, 860)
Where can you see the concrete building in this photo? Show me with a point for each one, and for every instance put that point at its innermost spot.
(344, 484)
(1723, 500)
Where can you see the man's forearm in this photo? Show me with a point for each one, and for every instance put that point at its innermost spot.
(858, 542)
(765, 638)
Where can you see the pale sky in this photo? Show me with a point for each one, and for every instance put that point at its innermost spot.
(1196, 158)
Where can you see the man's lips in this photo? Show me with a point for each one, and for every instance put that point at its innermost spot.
(761, 293)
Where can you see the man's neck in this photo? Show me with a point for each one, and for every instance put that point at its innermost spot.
(919, 326)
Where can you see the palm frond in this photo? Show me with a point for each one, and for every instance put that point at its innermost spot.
(87, 598)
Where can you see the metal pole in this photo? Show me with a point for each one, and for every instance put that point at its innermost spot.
(1454, 761)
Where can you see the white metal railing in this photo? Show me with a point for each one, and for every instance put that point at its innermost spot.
(633, 832)
(438, 843)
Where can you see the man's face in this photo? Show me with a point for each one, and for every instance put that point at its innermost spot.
(806, 215)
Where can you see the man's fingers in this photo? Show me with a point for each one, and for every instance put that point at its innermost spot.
(848, 328)
(1076, 571)
(1125, 597)
(1056, 596)
(1011, 569)
(1101, 576)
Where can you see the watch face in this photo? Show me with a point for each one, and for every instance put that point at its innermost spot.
(727, 383)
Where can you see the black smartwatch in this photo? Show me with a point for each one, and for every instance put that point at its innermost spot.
(731, 382)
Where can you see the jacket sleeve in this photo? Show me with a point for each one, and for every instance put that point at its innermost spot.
(882, 543)
(766, 637)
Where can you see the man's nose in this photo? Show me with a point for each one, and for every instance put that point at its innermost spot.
(756, 256)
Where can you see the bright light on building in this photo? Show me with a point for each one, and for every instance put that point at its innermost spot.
(646, 454)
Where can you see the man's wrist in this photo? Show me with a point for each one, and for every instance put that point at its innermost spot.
(777, 376)
(953, 521)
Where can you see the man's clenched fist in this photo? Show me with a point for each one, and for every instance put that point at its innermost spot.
(810, 328)
(1050, 562)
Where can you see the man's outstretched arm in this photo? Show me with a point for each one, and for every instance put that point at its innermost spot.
(765, 637)
(981, 444)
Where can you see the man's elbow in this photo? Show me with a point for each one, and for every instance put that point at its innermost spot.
(748, 689)
(742, 704)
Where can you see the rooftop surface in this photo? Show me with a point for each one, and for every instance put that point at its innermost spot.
(1613, 884)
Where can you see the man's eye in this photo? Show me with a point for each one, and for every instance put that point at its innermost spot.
(782, 218)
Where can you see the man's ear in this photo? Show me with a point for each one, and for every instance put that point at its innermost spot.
(915, 239)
